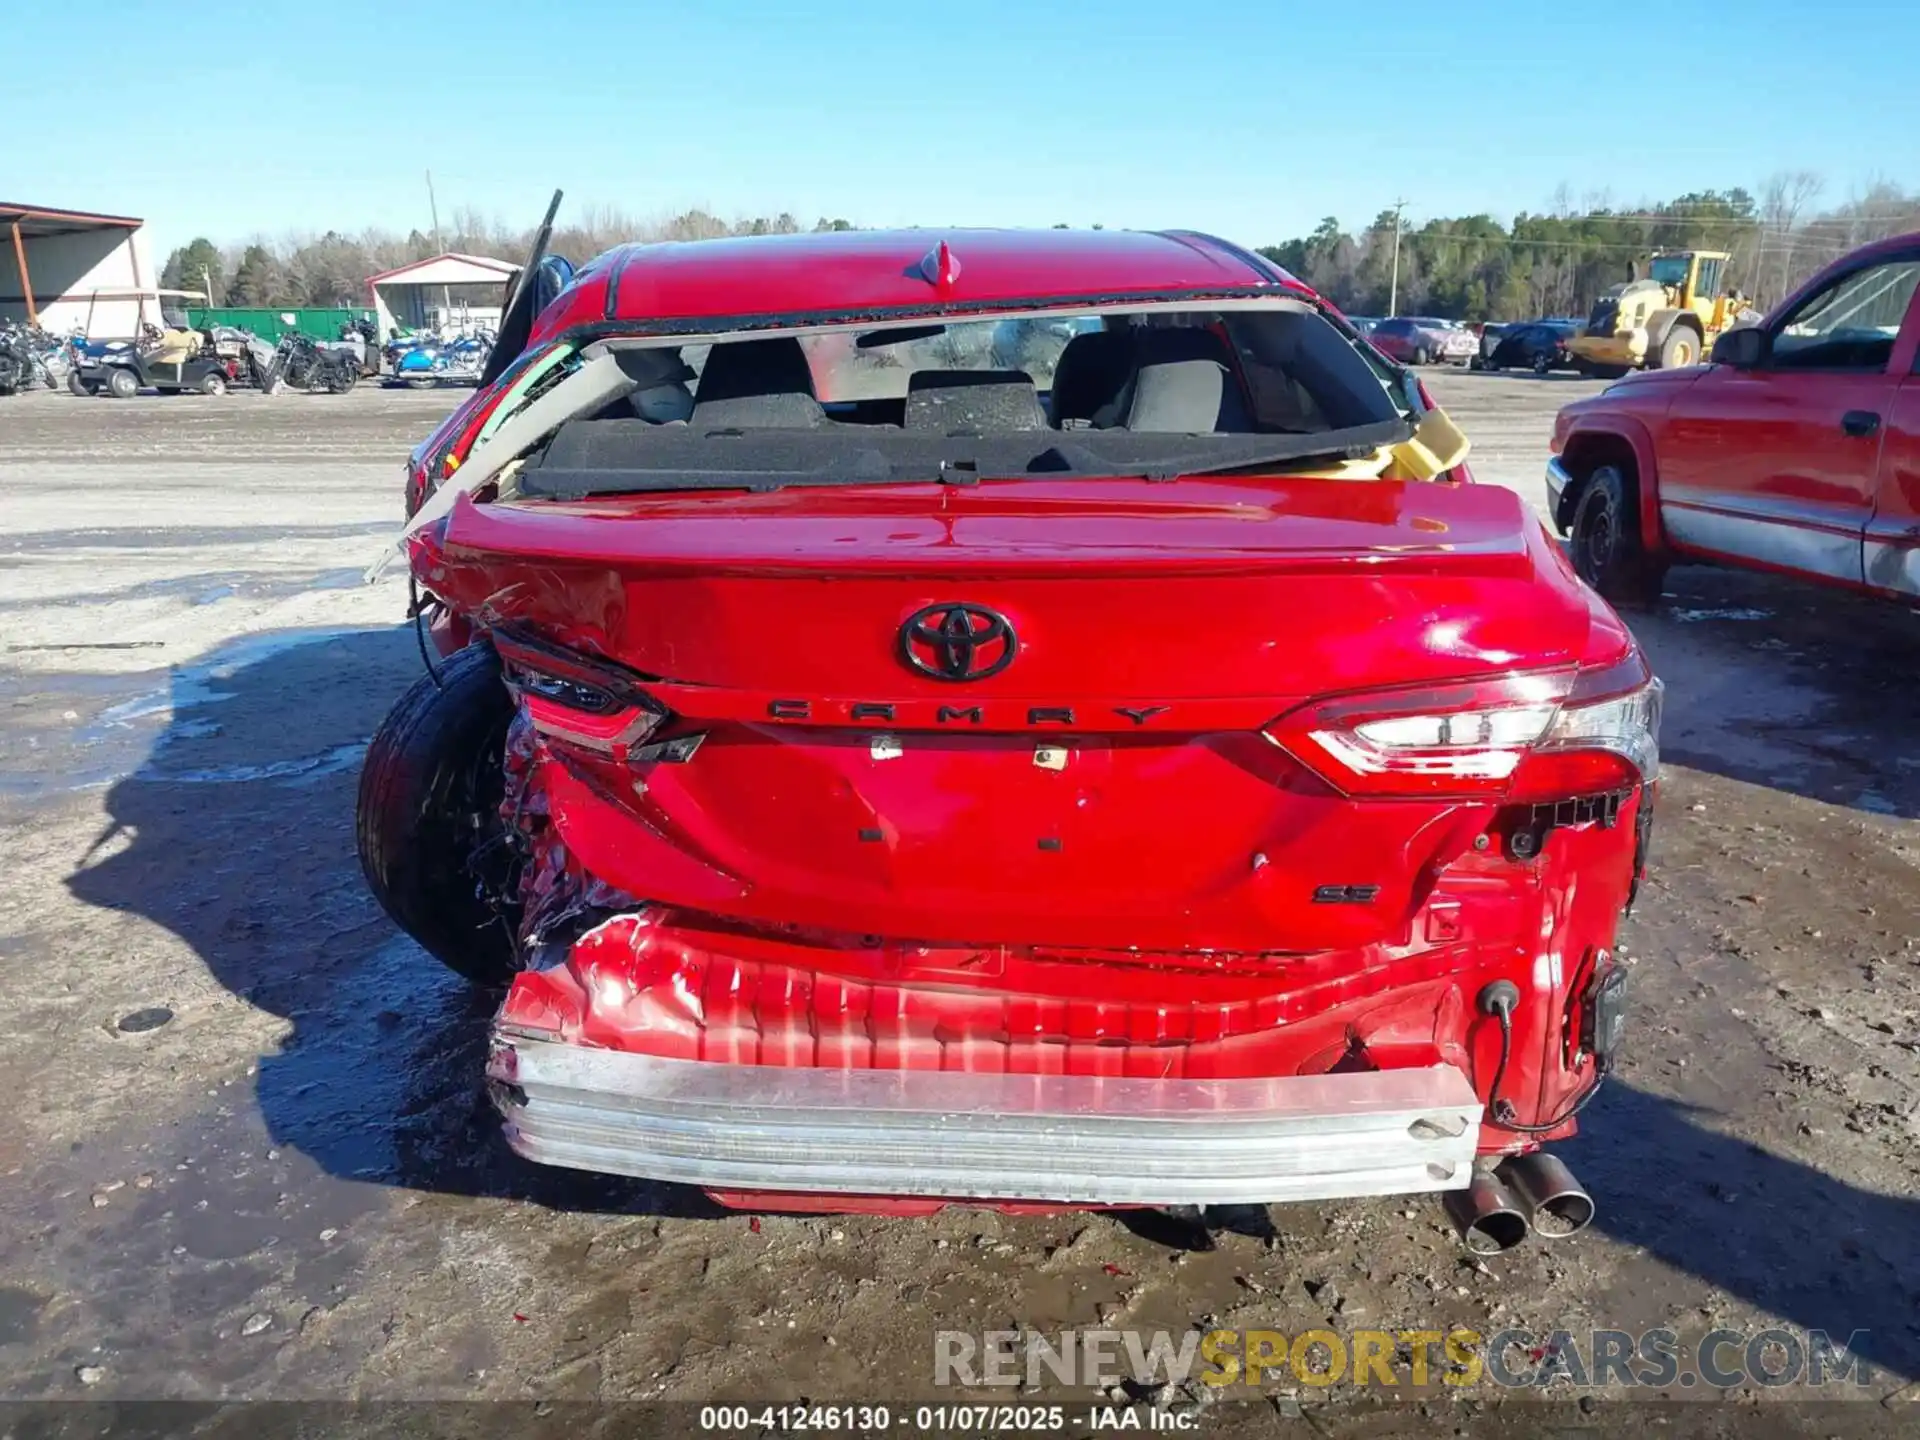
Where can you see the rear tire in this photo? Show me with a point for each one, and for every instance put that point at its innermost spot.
(122, 384)
(1605, 544)
(429, 803)
(1422, 357)
(423, 384)
(213, 383)
(77, 385)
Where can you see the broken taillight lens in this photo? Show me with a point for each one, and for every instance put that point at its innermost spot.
(1546, 735)
(1606, 737)
(578, 700)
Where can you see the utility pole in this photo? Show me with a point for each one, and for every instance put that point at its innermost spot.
(1393, 289)
(433, 206)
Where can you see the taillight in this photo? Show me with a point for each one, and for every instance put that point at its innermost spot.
(1606, 737)
(1547, 735)
(577, 700)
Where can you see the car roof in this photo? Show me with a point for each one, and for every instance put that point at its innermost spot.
(767, 277)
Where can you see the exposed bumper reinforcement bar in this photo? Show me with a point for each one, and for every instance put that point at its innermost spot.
(1070, 1139)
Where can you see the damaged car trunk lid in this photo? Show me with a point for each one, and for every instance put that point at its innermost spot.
(971, 714)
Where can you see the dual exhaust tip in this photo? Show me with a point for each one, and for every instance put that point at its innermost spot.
(1525, 1194)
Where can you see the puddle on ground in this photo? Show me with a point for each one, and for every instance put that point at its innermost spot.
(206, 587)
(309, 768)
(138, 718)
(32, 542)
(192, 685)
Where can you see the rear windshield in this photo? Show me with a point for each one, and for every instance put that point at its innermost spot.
(1102, 392)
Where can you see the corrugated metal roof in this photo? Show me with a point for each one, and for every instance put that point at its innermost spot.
(50, 220)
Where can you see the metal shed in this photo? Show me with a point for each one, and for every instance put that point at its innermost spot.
(449, 292)
(57, 260)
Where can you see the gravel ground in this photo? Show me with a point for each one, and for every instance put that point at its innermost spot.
(292, 1188)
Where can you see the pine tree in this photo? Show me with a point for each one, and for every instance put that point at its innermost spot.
(195, 266)
(256, 279)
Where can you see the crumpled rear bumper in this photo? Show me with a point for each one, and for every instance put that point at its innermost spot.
(1079, 1139)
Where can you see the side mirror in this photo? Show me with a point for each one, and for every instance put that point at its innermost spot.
(1742, 349)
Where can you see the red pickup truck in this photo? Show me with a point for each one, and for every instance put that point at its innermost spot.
(1796, 450)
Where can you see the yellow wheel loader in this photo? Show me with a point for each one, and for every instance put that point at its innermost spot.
(1666, 320)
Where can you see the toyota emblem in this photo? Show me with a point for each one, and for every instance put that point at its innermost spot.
(957, 642)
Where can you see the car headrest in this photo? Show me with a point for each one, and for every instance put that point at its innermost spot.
(1185, 385)
(757, 384)
(1091, 372)
(976, 402)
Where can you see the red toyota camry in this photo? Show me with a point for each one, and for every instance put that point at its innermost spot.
(1011, 718)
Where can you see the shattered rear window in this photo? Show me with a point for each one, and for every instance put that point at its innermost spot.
(1121, 390)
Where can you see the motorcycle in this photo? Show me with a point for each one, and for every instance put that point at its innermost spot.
(17, 355)
(53, 359)
(301, 363)
(248, 357)
(46, 359)
(454, 362)
(363, 340)
(398, 345)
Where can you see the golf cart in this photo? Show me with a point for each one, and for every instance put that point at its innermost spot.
(171, 357)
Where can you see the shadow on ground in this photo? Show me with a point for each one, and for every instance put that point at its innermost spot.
(1763, 1227)
(238, 835)
(1789, 685)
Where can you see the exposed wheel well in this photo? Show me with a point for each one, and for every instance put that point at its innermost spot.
(1584, 455)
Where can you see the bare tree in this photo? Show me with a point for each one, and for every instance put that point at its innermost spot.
(1785, 197)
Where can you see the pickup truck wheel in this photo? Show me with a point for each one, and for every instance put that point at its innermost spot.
(429, 809)
(1605, 540)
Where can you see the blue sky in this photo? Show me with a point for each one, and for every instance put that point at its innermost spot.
(1252, 120)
